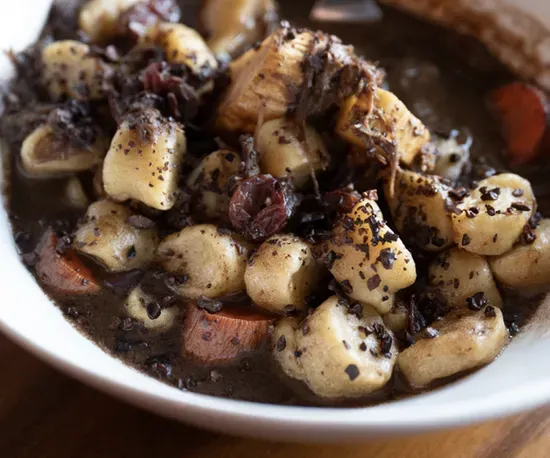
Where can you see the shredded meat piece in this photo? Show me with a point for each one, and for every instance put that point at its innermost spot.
(249, 165)
(332, 73)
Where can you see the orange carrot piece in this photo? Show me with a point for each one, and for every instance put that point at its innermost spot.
(524, 113)
(63, 273)
(224, 335)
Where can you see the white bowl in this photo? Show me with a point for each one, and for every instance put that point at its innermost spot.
(518, 380)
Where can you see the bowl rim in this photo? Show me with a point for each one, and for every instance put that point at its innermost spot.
(395, 417)
(278, 421)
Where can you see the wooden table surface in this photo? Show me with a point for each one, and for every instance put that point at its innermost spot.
(44, 414)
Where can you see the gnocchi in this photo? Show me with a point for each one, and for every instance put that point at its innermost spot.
(458, 275)
(282, 273)
(211, 181)
(418, 204)
(491, 218)
(71, 71)
(142, 308)
(232, 25)
(208, 262)
(108, 236)
(144, 160)
(45, 156)
(368, 259)
(334, 352)
(462, 340)
(286, 150)
(528, 263)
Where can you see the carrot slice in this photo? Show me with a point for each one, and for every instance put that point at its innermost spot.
(63, 273)
(524, 112)
(224, 335)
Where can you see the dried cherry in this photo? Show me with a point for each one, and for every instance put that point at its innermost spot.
(341, 200)
(261, 206)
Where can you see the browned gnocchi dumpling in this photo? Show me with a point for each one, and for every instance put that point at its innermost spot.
(491, 218)
(459, 275)
(528, 263)
(70, 71)
(234, 25)
(418, 204)
(207, 261)
(98, 18)
(182, 45)
(144, 160)
(333, 352)
(458, 342)
(211, 182)
(108, 236)
(368, 259)
(143, 308)
(287, 150)
(43, 155)
(282, 273)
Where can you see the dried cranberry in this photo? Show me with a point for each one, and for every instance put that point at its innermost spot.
(341, 201)
(261, 207)
(173, 82)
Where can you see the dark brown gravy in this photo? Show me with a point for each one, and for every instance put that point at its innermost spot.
(442, 77)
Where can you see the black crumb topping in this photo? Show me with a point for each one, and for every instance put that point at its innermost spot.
(517, 192)
(373, 282)
(289, 309)
(153, 310)
(521, 207)
(477, 301)
(131, 253)
(459, 194)
(386, 258)
(472, 212)
(210, 305)
(346, 287)
(490, 311)
(353, 372)
(356, 309)
(281, 343)
(491, 194)
(331, 257)
(528, 235)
